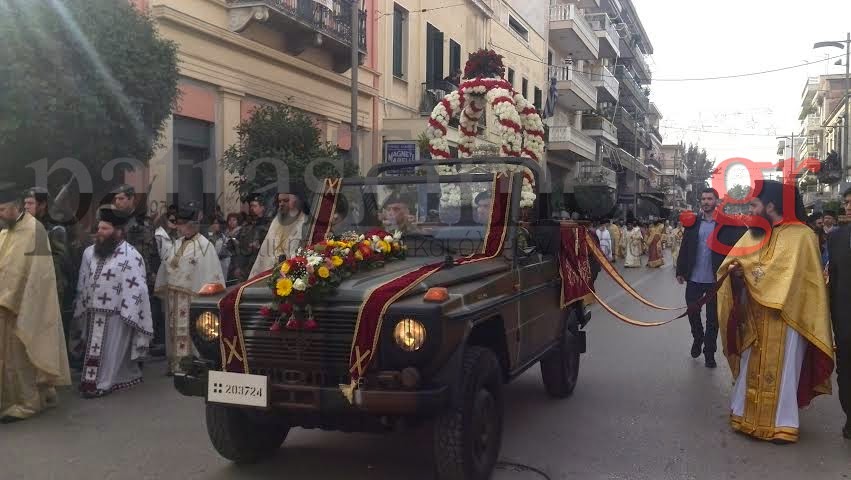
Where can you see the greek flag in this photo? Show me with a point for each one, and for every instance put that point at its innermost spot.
(552, 99)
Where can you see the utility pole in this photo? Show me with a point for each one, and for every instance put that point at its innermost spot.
(635, 150)
(355, 157)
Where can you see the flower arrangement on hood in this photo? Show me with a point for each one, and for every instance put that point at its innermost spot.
(519, 124)
(309, 277)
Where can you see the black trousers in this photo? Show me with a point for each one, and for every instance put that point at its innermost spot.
(843, 376)
(709, 337)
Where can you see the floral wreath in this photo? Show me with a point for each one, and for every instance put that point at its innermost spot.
(315, 272)
(520, 125)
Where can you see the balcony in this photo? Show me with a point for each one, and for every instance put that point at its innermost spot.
(631, 163)
(568, 143)
(575, 91)
(813, 123)
(607, 84)
(630, 86)
(303, 23)
(600, 127)
(590, 173)
(571, 33)
(606, 34)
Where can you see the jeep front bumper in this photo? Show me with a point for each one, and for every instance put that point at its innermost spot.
(301, 398)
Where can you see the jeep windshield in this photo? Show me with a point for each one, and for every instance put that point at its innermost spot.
(436, 218)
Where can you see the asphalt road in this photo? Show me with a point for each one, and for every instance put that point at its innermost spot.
(643, 410)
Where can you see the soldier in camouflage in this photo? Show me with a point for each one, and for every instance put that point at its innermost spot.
(37, 204)
(250, 238)
(140, 234)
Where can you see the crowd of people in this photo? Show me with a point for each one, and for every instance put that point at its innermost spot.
(629, 241)
(102, 301)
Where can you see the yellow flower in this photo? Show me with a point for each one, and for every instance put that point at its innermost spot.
(366, 243)
(285, 268)
(332, 243)
(383, 246)
(358, 256)
(284, 287)
(337, 261)
(323, 272)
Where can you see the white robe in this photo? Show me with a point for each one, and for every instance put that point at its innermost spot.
(112, 315)
(605, 242)
(787, 404)
(632, 245)
(189, 266)
(281, 240)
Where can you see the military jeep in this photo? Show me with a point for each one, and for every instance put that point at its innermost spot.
(497, 319)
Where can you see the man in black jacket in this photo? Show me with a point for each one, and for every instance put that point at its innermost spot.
(696, 266)
(839, 246)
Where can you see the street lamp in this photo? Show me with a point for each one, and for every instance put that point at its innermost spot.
(846, 44)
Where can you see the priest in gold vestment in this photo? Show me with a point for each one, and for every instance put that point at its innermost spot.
(285, 233)
(33, 356)
(774, 322)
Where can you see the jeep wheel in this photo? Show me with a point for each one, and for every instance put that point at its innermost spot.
(560, 367)
(468, 436)
(242, 436)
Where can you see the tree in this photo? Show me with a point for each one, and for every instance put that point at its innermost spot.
(700, 169)
(87, 79)
(738, 192)
(278, 148)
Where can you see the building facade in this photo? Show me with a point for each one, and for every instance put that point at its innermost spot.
(237, 54)
(674, 177)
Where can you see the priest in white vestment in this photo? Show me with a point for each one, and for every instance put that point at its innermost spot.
(112, 311)
(285, 233)
(634, 246)
(33, 356)
(190, 264)
(605, 240)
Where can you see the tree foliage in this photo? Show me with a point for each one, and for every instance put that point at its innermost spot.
(700, 170)
(279, 147)
(86, 79)
(738, 192)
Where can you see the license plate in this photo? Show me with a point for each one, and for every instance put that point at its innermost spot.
(238, 389)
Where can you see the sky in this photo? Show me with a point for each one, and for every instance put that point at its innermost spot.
(702, 38)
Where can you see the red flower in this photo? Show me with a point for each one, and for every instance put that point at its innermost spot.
(293, 324)
(265, 312)
(311, 324)
(276, 327)
(286, 308)
(300, 298)
(311, 280)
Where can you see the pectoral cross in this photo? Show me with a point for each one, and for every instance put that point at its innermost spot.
(757, 273)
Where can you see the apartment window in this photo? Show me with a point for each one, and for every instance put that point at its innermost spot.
(511, 76)
(550, 57)
(518, 28)
(434, 55)
(538, 98)
(400, 40)
(524, 88)
(454, 56)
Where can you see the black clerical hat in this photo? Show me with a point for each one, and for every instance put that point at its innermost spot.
(9, 193)
(188, 212)
(40, 194)
(113, 216)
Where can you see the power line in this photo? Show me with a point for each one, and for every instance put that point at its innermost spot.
(695, 79)
(422, 10)
(732, 132)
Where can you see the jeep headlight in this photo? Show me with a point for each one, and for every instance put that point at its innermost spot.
(207, 326)
(409, 334)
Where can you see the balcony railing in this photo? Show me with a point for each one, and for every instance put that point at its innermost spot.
(633, 87)
(604, 77)
(814, 122)
(334, 22)
(602, 22)
(645, 75)
(567, 133)
(561, 13)
(594, 174)
(599, 123)
(581, 79)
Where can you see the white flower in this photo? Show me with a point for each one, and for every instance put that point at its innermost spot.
(361, 238)
(388, 239)
(397, 235)
(300, 285)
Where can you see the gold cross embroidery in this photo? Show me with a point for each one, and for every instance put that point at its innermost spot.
(359, 361)
(230, 345)
(757, 273)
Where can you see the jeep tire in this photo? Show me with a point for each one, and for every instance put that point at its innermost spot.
(468, 435)
(244, 437)
(560, 367)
